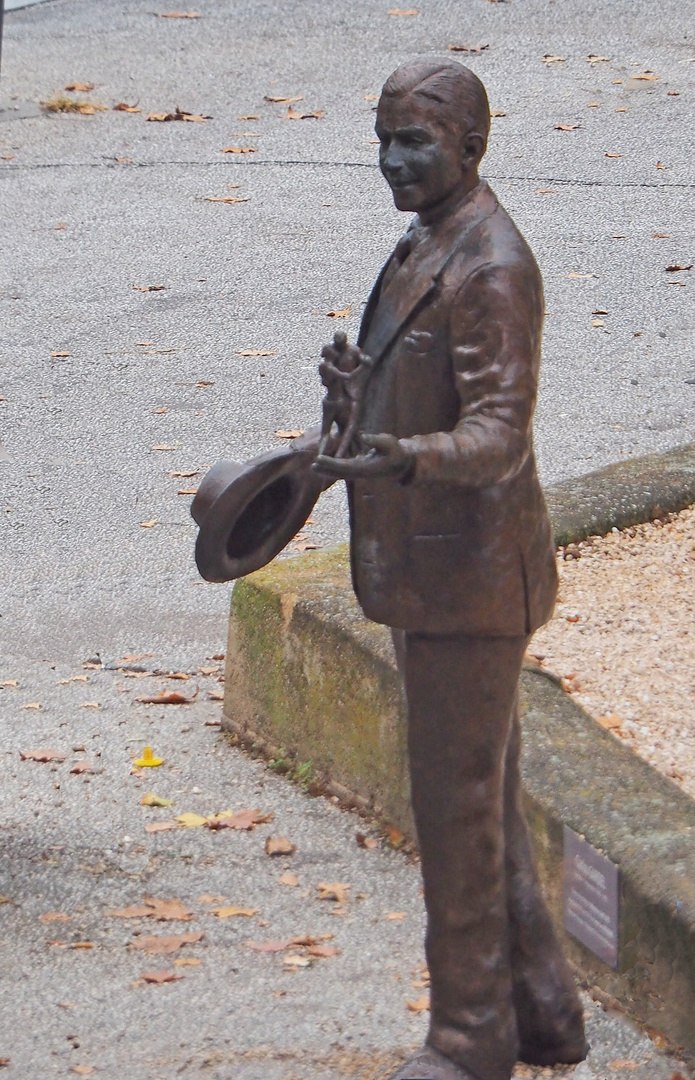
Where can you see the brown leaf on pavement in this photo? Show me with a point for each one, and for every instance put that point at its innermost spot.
(279, 845)
(149, 288)
(293, 114)
(249, 116)
(336, 890)
(149, 524)
(179, 15)
(550, 59)
(368, 842)
(245, 820)
(342, 314)
(4, 1062)
(160, 977)
(404, 11)
(497, 112)
(162, 910)
(592, 58)
(422, 1004)
(467, 48)
(187, 961)
(167, 697)
(289, 879)
(229, 912)
(612, 154)
(323, 951)
(646, 76)
(271, 946)
(277, 100)
(123, 107)
(178, 114)
(240, 150)
(215, 695)
(395, 916)
(255, 352)
(160, 826)
(225, 199)
(55, 916)
(676, 267)
(566, 127)
(395, 836)
(82, 1070)
(80, 87)
(164, 944)
(293, 433)
(57, 354)
(82, 767)
(42, 755)
(182, 475)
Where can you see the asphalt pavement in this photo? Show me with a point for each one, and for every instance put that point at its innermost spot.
(148, 330)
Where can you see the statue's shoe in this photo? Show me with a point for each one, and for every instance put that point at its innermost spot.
(429, 1064)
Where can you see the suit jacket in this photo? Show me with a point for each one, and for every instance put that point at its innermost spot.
(465, 545)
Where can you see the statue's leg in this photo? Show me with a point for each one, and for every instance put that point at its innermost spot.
(460, 693)
(548, 1008)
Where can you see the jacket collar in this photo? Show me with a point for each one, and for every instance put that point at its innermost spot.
(413, 286)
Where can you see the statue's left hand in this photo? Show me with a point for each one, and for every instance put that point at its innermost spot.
(384, 456)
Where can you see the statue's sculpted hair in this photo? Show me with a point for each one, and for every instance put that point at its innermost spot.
(457, 89)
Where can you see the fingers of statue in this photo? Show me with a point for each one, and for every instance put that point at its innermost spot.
(384, 457)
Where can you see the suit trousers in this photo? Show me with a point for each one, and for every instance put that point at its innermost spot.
(495, 963)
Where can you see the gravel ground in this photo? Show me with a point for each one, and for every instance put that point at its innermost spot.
(623, 638)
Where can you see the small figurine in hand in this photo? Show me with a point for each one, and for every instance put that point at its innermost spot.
(345, 372)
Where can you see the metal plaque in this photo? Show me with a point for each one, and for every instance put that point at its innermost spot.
(591, 896)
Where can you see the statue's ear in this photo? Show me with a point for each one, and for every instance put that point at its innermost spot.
(473, 148)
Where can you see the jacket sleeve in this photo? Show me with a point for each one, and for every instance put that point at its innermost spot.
(494, 342)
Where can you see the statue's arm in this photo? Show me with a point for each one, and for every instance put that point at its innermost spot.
(495, 328)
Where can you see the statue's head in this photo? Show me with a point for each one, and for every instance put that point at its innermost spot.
(433, 122)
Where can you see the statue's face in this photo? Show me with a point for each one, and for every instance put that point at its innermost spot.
(422, 159)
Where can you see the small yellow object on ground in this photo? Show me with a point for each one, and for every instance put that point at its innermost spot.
(148, 760)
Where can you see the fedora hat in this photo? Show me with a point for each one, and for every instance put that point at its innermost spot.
(247, 512)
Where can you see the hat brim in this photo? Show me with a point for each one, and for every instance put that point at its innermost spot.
(248, 512)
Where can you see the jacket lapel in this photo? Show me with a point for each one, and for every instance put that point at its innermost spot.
(414, 284)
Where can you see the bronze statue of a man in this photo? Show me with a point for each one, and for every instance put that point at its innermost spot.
(452, 548)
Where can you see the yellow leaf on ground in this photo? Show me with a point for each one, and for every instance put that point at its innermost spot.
(228, 912)
(422, 1004)
(191, 821)
(150, 799)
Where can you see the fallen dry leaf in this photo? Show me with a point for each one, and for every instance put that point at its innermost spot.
(191, 821)
(179, 15)
(294, 960)
(291, 434)
(240, 150)
(612, 154)
(289, 879)
(395, 916)
(467, 48)
(255, 352)
(293, 114)
(592, 58)
(336, 890)
(181, 676)
(550, 59)
(566, 127)
(343, 314)
(279, 845)
(422, 1004)
(395, 836)
(187, 961)
(149, 288)
(167, 697)
(178, 114)
(645, 76)
(271, 946)
(81, 945)
(368, 842)
(9, 682)
(225, 199)
(55, 916)
(229, 912)
(208, 898)
(42, 755)
(82, 1070)
(56, 354)
(404, 11)
(182, 475)
(276, 100)
(244, 820)
(323, 951)
(160, 826)
(80, 87)
(164, 944)
(160, 977)
(150, 799)
(249, 117)
(4, 1062)
(497, 112)
(123, 107)
(660, 236)
(82, 767)
(676, 267)
(151, 907)
(545, 191)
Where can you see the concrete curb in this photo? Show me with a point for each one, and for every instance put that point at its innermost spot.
(313, 684)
